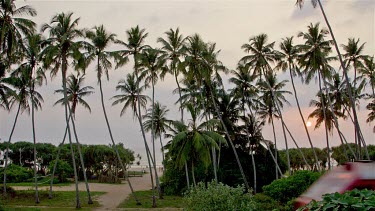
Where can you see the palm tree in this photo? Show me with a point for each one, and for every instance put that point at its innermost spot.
(32, 73)
(100, 40)
(371, 115)
(368, 71)
(289, 54)
(23, 81)
(61, 46)
(75, 91)
(195, 143)
(134, 46)
(155, 119)
(5, 90)
(173, 47)
(152, 62)
(13, 28)
(349, 90)
(260, 55)
(354, 57)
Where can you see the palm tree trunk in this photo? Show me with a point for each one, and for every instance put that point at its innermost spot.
(187, 175)
(34, 140)
(7, 150)
(230, 140)
(352, 102)
(325, 120)
(81, 158)
(162, 153)
(192, 173)
(114, 144)
(153, 140)
(179, 93)
(274, 138)
(274, 159)
(303, 119)
(287, 150)
(64, 69)
(214, 163)
(143, 131)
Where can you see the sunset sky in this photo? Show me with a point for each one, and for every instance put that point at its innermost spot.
(229, 24)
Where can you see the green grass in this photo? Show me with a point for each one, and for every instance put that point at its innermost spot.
(146, 199)
(61, 200)
(41, 182)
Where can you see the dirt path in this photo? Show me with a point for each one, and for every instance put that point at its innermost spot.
(114, 195)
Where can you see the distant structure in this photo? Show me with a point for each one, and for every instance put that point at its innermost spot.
(2, 159)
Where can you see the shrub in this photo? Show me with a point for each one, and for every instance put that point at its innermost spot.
(264, 202)
(16, 173)
(350, 200)
(218, 197)
(286, 189)
(63, 170)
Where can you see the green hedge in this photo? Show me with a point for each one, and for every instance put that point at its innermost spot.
(16, 173)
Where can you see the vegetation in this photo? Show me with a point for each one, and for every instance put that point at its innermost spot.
(166, 202)
(350, 200)
(218, 197)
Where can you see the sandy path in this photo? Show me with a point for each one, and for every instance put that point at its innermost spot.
(114, 195)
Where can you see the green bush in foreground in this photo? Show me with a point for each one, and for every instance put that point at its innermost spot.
(218, 197)
(355, 200)
(286, 189)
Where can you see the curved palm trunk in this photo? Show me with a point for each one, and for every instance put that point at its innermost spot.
(179, 93)
(252, 153)
(275, 140)
(325, 121)
(81, 158)
(230, 140)
(287, 150)
(192, 173)
(352, 102)
(143, 131)
(303, 119)
(274, 160)
(7, 150)
(162, 153)
(114, 144)
(214, 163)
(153, 141)
(34, 140)
(64, 69)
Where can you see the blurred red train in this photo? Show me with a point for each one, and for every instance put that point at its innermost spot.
(357, 175)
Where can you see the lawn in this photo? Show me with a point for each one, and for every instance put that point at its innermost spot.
(62, 200)
(146, 199)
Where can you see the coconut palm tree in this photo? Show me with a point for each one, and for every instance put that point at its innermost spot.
(26, 97)
(194, 144)
(289, 54)
(60, 47)
(156, 119)
(135, 44)
(100, 40)
(31, 72)
(261, 54)
(14, 28)
(342, 64)
(5, 90)
(173, 47)
(371, 115)
(368, 71)
(75, 91)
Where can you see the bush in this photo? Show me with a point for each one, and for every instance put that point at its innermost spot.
(264, 202)
(16, 173)
(350, 200)
(286, 189)
(63, 170)
(218, 197)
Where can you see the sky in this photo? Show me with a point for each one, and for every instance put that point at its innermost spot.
(228, 23)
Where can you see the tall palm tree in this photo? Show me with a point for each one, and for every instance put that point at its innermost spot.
(25, 97)
(5, 90)
(152, 62)
(173, 47)
(354, 57)
(349, 90)
(60, 47)
(75, 91)
(100, 40)
(156, 119)
(32, 73)
(135, 44)
(261, 54)
(371, 115)
(289, 54)
(14, 28)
